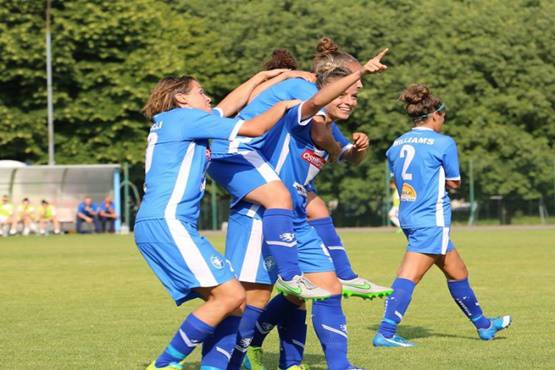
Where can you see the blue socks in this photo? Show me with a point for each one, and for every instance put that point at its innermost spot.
(277, 226)
(276, 311)
(217, 349)
(396, 305)
(331, 328)
(326, 230)
(243, 337)
(191, 333)
(292, 336)
(464, 296)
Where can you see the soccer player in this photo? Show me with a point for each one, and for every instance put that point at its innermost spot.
(279, 88)
(393, 213)
(166, 225)
(424, 163)
(6, 214)
(293, 153)
(25, 213)
(47, 213)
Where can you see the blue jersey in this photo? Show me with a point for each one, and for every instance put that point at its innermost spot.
(294, 88)
(176, 159)
(289, 148)
(421, 160)
(82, 206)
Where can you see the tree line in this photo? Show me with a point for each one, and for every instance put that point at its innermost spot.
(492, 62)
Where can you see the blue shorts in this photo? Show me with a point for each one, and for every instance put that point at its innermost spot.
(250, 256)
(180, 257)
(429, 240)
(241, 173)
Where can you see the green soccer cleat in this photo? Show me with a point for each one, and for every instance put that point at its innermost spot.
(301, 287)
(172, 366)
(299, 367)
(363, 288)
(253, 359)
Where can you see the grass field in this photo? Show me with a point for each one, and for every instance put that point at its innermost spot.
(90, 302)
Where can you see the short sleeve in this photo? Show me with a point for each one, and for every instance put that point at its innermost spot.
(294, 122)
(211, 126)
(450, 161)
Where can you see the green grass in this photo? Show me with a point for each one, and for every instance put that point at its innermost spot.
(91, 302)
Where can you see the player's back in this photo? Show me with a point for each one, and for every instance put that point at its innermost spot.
(174, 168)
(421, 160)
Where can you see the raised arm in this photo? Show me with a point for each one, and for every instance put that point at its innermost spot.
(336, 88)
(262, 123)
(236, 99)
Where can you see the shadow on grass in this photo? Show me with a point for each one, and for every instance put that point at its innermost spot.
(415, 332)
(271, 360)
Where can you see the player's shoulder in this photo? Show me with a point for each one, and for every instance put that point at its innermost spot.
(297, 83)
(444, 140)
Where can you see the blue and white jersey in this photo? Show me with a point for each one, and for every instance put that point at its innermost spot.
(421, 160)
(176, 159)
(293, 88)
(289, 148)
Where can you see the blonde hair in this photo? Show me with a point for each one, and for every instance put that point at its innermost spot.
(162, 96)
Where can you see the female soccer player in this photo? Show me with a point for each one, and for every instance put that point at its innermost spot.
(292, 152)
(328, 56)
(424, 163)
(166, 226)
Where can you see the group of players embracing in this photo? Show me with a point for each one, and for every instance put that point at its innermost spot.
(280, 233)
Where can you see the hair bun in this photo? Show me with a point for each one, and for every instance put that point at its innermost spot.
(326, 46)
(415, 94)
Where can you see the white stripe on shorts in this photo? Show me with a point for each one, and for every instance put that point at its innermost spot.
(444, 240)
(249, 268)
(261, 165)
(187, 248)
(440, 218)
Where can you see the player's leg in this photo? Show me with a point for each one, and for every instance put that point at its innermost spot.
(412, 269)
(456, 273)
(189, 267)
(42, 226)
(249, 177)
(56, 224)
(353, 285)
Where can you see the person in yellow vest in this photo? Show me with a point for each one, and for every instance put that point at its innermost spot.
(394, 211)
(25, 213)
(6, 213)
(47, 213)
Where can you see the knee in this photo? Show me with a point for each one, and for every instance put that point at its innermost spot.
(233, 299)
(280, 197)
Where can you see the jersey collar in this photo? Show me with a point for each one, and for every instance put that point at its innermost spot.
(422, 128)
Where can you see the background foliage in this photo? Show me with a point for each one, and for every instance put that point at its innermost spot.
(491, 61)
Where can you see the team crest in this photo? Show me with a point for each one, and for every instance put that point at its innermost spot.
(287, 237)
(217, 262)
(408, 194)
(269, 263)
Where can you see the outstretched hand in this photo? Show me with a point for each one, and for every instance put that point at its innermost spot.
(375, 65)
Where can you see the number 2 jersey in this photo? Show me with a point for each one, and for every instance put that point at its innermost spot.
(421, 160)
(176, 159)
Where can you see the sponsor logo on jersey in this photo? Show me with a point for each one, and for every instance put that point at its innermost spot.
(313, 158)
(287, 237)
(408, 194)
(217, 262)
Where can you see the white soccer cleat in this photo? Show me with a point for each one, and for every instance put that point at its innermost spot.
(301, 287)
(364, 288)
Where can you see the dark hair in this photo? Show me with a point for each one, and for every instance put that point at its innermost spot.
(25, 199)
(328, 56)
(419, 102)
(44, 201)
(281, 58)
(162, 97)
(324, 78)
